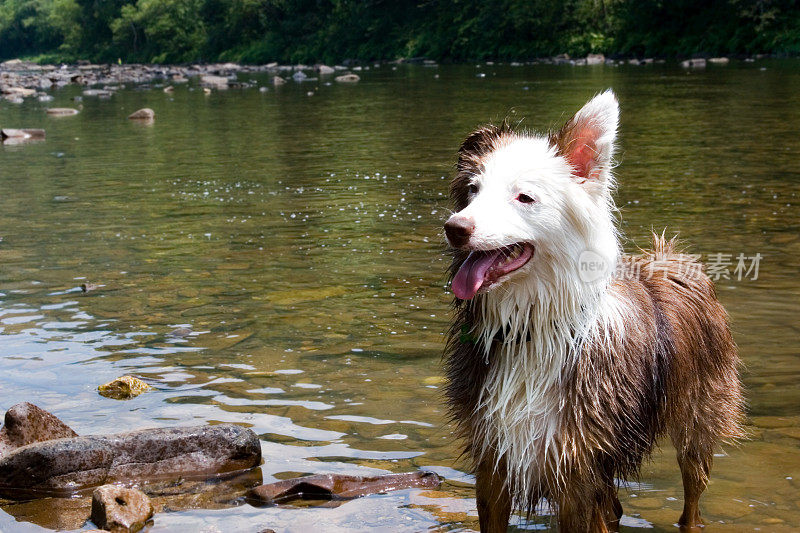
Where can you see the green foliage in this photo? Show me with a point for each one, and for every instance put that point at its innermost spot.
(333, 30)
(160, 31)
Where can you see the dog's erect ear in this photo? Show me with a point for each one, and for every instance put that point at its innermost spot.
(587, 139)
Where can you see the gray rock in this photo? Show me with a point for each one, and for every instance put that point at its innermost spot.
(214, 82)
(97, 92)
(9, 134)
(61, 111)
(26, 423)
(116, 508)
(694, 63)
(595, 59)
(325, 69)
(65, 466)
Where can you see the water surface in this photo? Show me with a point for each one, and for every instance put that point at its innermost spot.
(299, 238)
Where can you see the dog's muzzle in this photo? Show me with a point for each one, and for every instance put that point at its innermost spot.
(459, 229)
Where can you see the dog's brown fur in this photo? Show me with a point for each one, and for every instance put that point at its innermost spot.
(674, 371)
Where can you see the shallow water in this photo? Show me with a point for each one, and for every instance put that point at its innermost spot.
(299, 238)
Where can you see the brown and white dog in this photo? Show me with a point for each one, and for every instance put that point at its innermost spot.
(567, 360)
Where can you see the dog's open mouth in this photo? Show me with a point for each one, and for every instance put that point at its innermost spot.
(482, 268)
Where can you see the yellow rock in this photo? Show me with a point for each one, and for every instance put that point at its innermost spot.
(123, 388)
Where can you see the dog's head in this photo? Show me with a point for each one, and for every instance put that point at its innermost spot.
(523, 199)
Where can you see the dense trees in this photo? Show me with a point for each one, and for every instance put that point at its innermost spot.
(333, 30)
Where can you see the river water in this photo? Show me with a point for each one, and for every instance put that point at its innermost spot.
(299, 238)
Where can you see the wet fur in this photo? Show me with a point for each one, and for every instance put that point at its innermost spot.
(558, 390)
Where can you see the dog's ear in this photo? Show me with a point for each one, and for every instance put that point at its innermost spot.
(587, 139)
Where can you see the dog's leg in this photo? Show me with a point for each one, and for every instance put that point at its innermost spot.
(494, 500)
(695, 466)
(586, 509)
(611, 509)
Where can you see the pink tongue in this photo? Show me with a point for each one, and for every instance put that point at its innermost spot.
(470, 276)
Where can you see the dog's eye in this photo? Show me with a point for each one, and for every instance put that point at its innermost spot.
(472, 189)
(525, 199)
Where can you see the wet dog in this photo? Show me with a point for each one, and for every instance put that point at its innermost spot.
(567, 359)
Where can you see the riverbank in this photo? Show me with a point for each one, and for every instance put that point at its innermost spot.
(21, 79)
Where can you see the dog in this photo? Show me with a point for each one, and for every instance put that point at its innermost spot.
(567, 359)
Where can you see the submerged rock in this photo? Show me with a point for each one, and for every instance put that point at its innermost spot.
(116, 508)
(339, 487)
(348, 78)
(69, 465)
(8, 135)
(25, 424)
(143, 114)
(123, 388)
(61, 111)
(694, 63)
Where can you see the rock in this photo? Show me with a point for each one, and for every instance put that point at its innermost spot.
(143, 114)
(116, 508)
(19, 91)
(45, 98)
(26, 423)
(299, 76)
(595, 59)
(21, 135)
(719, 60)
(277, 80)
(263, 89)
(123, 388)
(338, 487)
(180, 332)
(97, 92)
(325, 69)
(64, 466)
(214, 82)
(348, 78)
(169, 89)
(694, 63)
(62, 111)
(88, 287)
(45, 83)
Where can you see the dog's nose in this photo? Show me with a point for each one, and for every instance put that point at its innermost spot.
(458, 230)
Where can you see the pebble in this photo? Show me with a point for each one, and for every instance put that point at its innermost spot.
(123, 388)
(116, 508)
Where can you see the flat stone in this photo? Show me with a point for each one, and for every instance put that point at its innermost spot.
(22, 135)
(116, 508)
(19, 91)
(62, 111)
(217, 82)
(339, 487)
(143, 114)
(348, 78)
(66, 466)
(97, 92)
(123, 388)
(26, 423)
